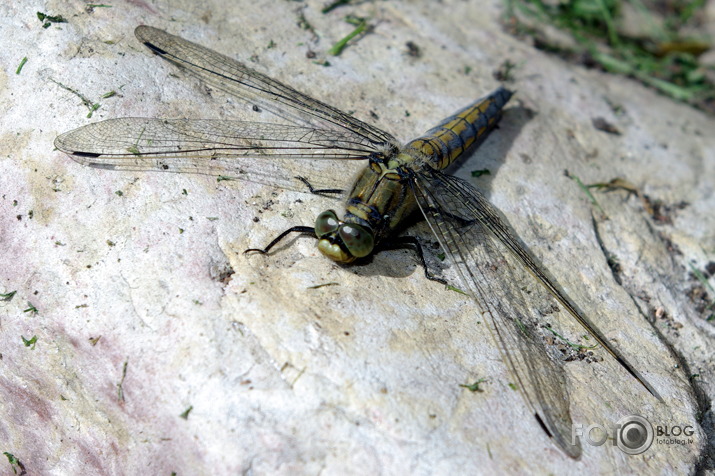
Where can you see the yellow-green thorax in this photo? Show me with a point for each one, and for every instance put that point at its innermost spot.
(382, 196)
(378, 203)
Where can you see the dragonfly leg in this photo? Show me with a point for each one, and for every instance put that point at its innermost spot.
(295, 229)
(403, 242)
(320, 191)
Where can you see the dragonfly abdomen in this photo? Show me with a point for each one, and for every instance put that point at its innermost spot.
(444, 143)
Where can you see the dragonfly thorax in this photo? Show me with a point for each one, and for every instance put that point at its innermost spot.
(340, 241)
(398, 161)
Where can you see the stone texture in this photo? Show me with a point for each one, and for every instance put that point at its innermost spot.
(139, 318)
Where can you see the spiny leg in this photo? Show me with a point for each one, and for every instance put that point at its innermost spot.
(319, 191)
(295, 229)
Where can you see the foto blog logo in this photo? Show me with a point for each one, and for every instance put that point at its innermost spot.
(632, 434)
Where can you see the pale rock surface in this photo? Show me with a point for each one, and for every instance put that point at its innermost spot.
(139, 318)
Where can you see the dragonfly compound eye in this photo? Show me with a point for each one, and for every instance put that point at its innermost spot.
(357, 239)
(326, 223)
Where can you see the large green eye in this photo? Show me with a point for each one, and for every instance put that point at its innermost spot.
(357, 239)
(326, 223)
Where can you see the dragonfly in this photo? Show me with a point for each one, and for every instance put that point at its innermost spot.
(397, 182)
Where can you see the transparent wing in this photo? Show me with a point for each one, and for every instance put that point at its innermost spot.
(491, 261)
(214, 147)
(240, 80)
(116, 141)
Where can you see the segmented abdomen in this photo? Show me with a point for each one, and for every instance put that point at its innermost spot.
(444, 143)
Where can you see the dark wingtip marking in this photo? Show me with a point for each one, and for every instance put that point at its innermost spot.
(573, 451)
(154, 48)
(638, 377)
(86, 154)
(543, 425)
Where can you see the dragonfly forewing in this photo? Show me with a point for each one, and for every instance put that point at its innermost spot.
(234, 149)
(241, 81)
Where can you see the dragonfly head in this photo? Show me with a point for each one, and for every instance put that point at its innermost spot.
(340, 241)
